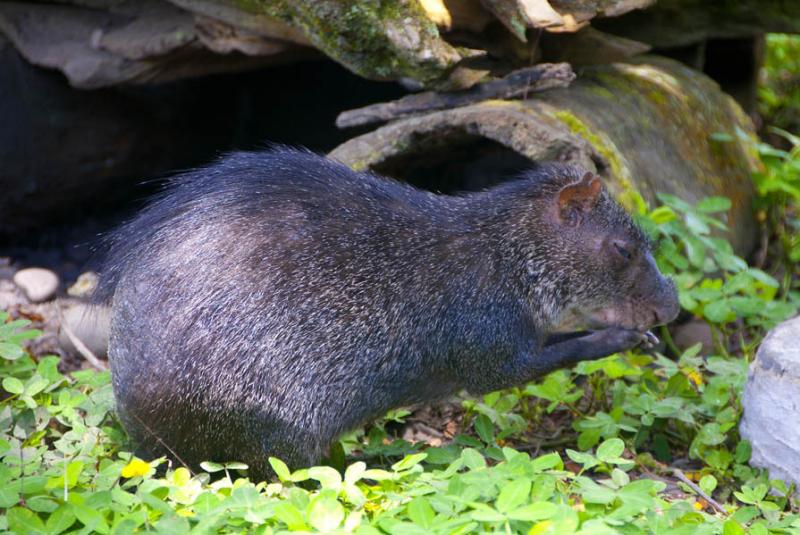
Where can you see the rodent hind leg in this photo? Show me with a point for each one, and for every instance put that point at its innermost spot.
(297, 449)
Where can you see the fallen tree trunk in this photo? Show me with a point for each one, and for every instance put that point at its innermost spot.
(647, 126)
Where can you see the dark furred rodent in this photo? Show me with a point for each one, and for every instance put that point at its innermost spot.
(269, 302)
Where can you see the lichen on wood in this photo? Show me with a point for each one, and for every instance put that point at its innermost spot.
(680, 125)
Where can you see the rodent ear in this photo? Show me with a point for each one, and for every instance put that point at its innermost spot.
(579, 198)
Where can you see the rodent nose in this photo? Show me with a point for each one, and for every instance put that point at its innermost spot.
(666, 314)
(669, 307)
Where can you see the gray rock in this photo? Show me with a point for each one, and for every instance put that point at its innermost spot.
(39, 284)
(771, 403)
(89, 324)
(692, 332)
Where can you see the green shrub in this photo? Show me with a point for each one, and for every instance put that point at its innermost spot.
(779, 90)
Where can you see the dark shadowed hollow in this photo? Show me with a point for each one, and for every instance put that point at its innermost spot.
(455, 163)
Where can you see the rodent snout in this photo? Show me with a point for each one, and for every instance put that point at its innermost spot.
(668, 307)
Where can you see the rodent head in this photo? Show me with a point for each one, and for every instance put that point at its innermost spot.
(606, 273)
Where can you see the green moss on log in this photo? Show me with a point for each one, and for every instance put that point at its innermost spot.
(380, 40)
(667, 122)
(700, 116)
(622, 187)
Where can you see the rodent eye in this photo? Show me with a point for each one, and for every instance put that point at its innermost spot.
(622, 251)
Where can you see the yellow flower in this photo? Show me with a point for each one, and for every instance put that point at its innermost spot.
(540, 527)
(136, 467)
(372, 507)
(695, 377)
(699, 506)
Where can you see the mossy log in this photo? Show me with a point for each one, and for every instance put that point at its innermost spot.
(438, 44)
(409, 39)
(434, 42)
(386, 40)
(647, 126)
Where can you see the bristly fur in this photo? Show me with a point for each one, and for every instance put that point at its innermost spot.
(271, 301)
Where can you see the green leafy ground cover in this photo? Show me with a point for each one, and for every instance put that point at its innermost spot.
(634, 443)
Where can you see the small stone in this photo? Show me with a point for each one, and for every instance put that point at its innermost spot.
(89, 324)
(771, 403)
(85, 285)
(39, 284)
(692, 332)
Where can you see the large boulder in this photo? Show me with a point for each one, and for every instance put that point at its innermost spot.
(771, 403)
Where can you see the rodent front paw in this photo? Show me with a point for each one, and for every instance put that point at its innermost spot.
(619, 339)
(649, 340)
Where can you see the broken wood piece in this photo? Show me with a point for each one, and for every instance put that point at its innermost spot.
(519, 15)
(516, 84)
(556, 15)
